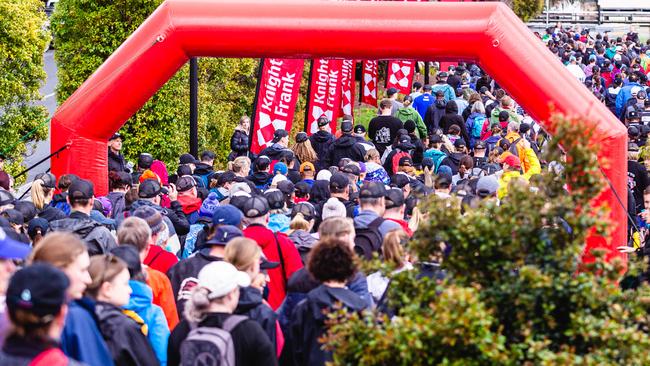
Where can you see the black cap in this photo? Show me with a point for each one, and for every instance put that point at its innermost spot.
(443, 74)
(338, 182)
(394, 198)
(275, 198)
(400, 180)
(372, 190)
(346, 126)
(391, 91)
(224, 234)
(39, 289)
(435, 139)
(351, 169)
(280, 133)
(49, 180)
(185, 183)
(426, 162)
(632, 147)
(405, 161)
(145, 160)
(480, 145)
(81, 189)
(524, 127)
(150, 188)
(359, 129)
(323, 121)
(504, 116)
(404, 139)
(255, 206)
(459, 143)
(426, 87)
(409, 126)
(226, 177)
(302, 189)
(183, 169)
(36, 224)
(115, 136)
(187, 159)
(286, 187)
(129, 254)
(14, 216)
(633, 131)
(632, 114)
(306, 209)
(301, 137)
(6, 197)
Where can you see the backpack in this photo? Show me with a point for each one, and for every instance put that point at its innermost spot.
(209, 346)
(51, 357)
(202, 181)
(395, 159)
(479, 127)
(368, 239)
(513, 147)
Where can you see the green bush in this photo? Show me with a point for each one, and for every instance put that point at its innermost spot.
(516, 291)
(88, 31)
(22, 43)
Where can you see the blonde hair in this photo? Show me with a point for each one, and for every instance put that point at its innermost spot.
(391, 248)
(335, 227)
(372, 154)
(242, 253)
(40, 194)
(304, 152)
(59, 249)
(241, 164)
(300, 223)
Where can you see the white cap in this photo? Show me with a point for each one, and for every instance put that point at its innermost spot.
(324, 175)
(239, 187)
(220, 278)
(277, 179)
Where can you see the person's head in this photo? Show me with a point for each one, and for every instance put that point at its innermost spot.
(341, 228)
(392, 249)
(151, 190)
(303, 149)
(511, 163)
(36, 303)
(42, 190)
(454, 130)
(240, 166)
(115, 142)
(245, 255)
(513, 127)
(394, 203)
(262, 164)
(186, 186)
(442, 77)
(340, 186)
(81, 196)
(117, 181)
(244, 123)
(303, 216)
(136, 231)
(68, 253)
(371, 197)
(110, 280)
(506, 102)
(281, 137)
(66, 179)
(332, 261)
(408, 100)
(466, 165)
(478, 107)
(385, 106)
(646, 198)
(632, 152)
(217, 290)
(256, 210)
(417, 86)
(207, 157)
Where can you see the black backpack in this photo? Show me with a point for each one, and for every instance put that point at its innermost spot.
(368, 239)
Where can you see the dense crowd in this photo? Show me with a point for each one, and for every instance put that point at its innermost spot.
(238, 265)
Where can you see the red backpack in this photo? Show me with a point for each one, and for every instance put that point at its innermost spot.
(396, 157)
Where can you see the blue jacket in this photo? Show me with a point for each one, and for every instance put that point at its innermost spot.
(623, 96)
(153, 316)
(81, 339)
(279, 223)
(422, 103)
(450, 94)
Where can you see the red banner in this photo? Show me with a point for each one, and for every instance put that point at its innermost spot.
(279, 88)
(347, 88)
(400, 76)
(324, 93)
(369, 83)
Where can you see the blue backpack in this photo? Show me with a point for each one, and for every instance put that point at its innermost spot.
(477, 127)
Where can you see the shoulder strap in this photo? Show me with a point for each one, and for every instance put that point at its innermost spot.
(284, 271)
(232, 322)
(154, 258)
(376, 223)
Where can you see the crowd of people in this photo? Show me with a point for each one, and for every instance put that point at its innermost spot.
(238, 265)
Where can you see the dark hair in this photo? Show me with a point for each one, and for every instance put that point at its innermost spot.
(467, 161)
(207, 155)
(332, 260)
(76, 202)
(114, 181)
(454, 129)
(66, 180)
(385, 103)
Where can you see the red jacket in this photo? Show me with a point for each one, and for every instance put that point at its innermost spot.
(278, 278)
(404, 225)
(160, 259)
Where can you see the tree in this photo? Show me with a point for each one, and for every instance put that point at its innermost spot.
(515, 290)
(526, 9)
(22, 43)
(88, 31)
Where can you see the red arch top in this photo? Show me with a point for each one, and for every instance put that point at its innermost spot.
(487, 32)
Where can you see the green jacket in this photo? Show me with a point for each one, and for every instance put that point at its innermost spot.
(409, 113)
(494, 116)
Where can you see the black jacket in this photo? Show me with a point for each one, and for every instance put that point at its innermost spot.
(321, 142)
(432, 117)
(274, 152)
(345, 146)
(260, 180)
(96, 237)
(239, 144)
(50, 214)
(388, 164)
(174, 214)
(450, 118)
(349, 210)
(184, 276)
(418, 151)
(124, 337)
(251, 304)
(252, 346)
(454, 159)
(308, 324)
(116, 162)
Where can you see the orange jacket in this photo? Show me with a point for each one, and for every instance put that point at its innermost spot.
(163, 295)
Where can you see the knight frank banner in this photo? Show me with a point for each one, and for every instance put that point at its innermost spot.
(400, 76)
(324, 97)
(347, 87)
(279, 88)
(369, 83)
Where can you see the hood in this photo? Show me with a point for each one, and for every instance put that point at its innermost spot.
(322, 136)
(451, 107)
(434, 154)
(141, 297)
(140, 203)
(249, 298)
(202, 169)
(302, 239)
(190, 204)
(260, 178)
(440, 104)
(345, 141)
(160, 169)
(320, 191)
(279, 223)
(81, 227)
(324, 297)
(455, 157)
(406, 147)
(405, 112)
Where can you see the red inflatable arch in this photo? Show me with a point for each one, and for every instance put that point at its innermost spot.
(487, 32)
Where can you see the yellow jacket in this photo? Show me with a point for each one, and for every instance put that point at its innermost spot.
(534, 168)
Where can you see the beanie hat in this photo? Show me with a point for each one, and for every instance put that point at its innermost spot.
(409, 126)
(153, 218)
(148, 174)
(333, 208)
(324, 175)
(209, 205)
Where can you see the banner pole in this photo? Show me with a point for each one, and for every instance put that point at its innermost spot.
(260, 68)
(311, 71)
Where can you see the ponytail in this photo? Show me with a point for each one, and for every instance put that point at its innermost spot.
(40, 195)
(299, 223)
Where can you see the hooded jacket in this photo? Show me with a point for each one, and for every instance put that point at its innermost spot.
(274, 152)
(119, 205)
(308, 323)
(433, 115)
(190, 206)
(81, 338)
(450, 118)
(163, 295)
(97, 238)
(141, 302)
(409, 113)
(261, 180)
(123, 337)
(304, 243)
(174, 214)
(60, 201)
(252, 305)
(279, 223)
(389, 164)
(321, 142)
(345, 146)
(239, 144)
(439, 158)
(51, 214)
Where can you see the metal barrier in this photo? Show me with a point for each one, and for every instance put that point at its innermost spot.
(637, 17)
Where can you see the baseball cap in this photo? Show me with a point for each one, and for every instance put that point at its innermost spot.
(39, 289)
(435, 139)
(286, 187)
(130, 256)
(394, 198)
(153, 218)
(359, 129)
(145, 160)
(301, 137)
(404, 139)
(12, 249)
(459, 143)
(306, 209)
(227, 215)
(275, 199)
(224, 234)
(487, 186)
(351, 169)
(338, 182)
(280, 133)
(14, 216)
(307, 166)
(150, 188)
(115, 136)
(400, 180)
(49, 180)
(226, 177)
(302, 189)
(36, 224)
(632, 147)
(443, 74)
(281, 168)
(346, 126)
(405, 161)
(428, 162)
(240, 187)
(632, 114)
(480, 145)
(372, 190)
(81, 189)
(255, 206)
(187, 159)
(512, 161)
(391, 91)
(220, 278)
(322, 121)
(185, 183)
